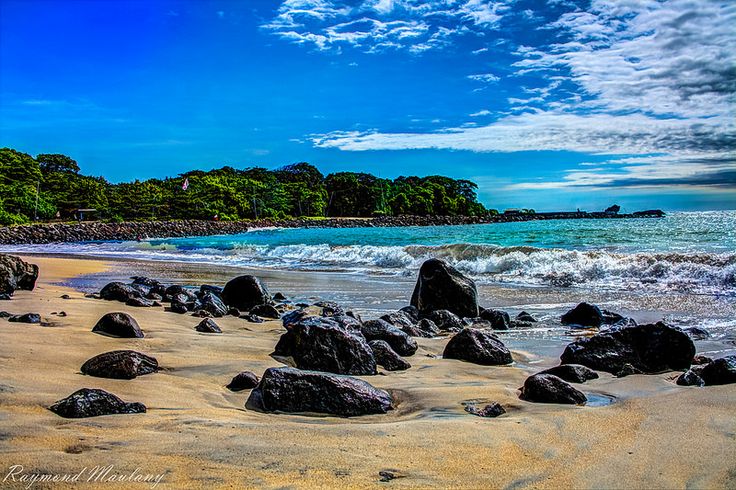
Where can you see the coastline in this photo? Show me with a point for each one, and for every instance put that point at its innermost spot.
(40, 233)
(657, 434)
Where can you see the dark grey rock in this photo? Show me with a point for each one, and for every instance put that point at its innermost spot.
(213, 304)
(690, 378)
(388, 358)
(120, 364)
(697, 333)
(208, 325)
(244, 380)
(26, 318)
(649, 348)
(399, 340)
(525, 317)
(89, 402)
(572, 373)
(118, 291)
(295, 391)
(442, 287)
(118, 324)
(546, 388)
(498, 319)
(492, 410)
(16, 274)
(477, 346)
(265, 311)
(245, 292)
(720, 371)
(446, 320)
(584, 314)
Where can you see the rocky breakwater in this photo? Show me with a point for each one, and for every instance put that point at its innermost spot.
(101, 231)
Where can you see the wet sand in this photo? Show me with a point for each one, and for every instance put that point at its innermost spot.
(655, 434)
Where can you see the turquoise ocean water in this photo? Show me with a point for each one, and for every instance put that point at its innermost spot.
(684, 252)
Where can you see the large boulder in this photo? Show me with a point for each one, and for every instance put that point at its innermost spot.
(16, 274)
(120, 364)
(293, 390)
(387, 357)
(399, 340)
(118, 291)
(442, 287)
(649, 348)
(118, 324)
(245, 292)
(572, 373)
(477, 346)
(584, 314)
(547, 388)
(89, 402)
(321, 344)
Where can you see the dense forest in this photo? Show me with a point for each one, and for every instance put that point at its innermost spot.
(50, 186)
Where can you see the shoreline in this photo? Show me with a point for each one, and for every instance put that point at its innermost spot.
(197, 431)
(41, 233)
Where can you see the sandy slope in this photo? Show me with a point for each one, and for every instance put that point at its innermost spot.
(200, 434)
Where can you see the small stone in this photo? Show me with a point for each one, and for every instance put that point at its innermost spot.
(89, 402)
(547, 388)
(628, 370)
(252, 318)
(265, 311)
(387, 357)
(245, 380)
(208, 325)
(118, 324)
(492, 410)
(26, 318)
(572, 373)
(690, 378)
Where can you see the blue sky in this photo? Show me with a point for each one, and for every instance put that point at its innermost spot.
(547, 104)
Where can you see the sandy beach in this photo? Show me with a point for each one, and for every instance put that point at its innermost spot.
(197, 433)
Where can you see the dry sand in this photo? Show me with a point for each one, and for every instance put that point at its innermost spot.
(656, 435)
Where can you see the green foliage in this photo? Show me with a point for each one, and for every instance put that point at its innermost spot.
(52, 182)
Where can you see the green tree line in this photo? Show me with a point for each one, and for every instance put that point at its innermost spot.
(50, 186)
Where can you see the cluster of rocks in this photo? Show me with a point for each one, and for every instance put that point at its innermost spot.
(326, 346)
(133, 230)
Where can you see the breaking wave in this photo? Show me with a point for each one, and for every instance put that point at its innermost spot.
(701, 273)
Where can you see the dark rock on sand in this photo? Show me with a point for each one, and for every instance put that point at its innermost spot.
(546, 388)
(16, 274)
(139, 301)
(118, 291)
(177, 307)
(233, 312)
(720, 371)
(245, 292)
(320, 344)
(498, 319)
(265, 311)
(279, 297)
(585, 315)
(5, 314)
(572, 373)
(697, 333)
(4, 297)
(252, 318)
(412, 312)
(690, 378)
(650, 348)
(492, 410)
(245, 380)
(208, 325)
(424, 328)
(118, 324)
(26, 318)
(477, 346)
(398, 319)
(120, 364)
(292, 390)
(627, 370)
(89, 402)
(399, 340)
(65, 296)
(213, 304)
(446, 320)
(442, 287)
(525, 317)
(387, 357)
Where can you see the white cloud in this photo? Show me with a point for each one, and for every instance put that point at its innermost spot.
(368, 24)
(484, 77)
(484, 112)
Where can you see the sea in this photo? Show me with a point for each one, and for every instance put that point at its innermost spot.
(680, 268)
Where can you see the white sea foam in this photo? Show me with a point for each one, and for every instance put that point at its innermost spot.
(703, 273)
